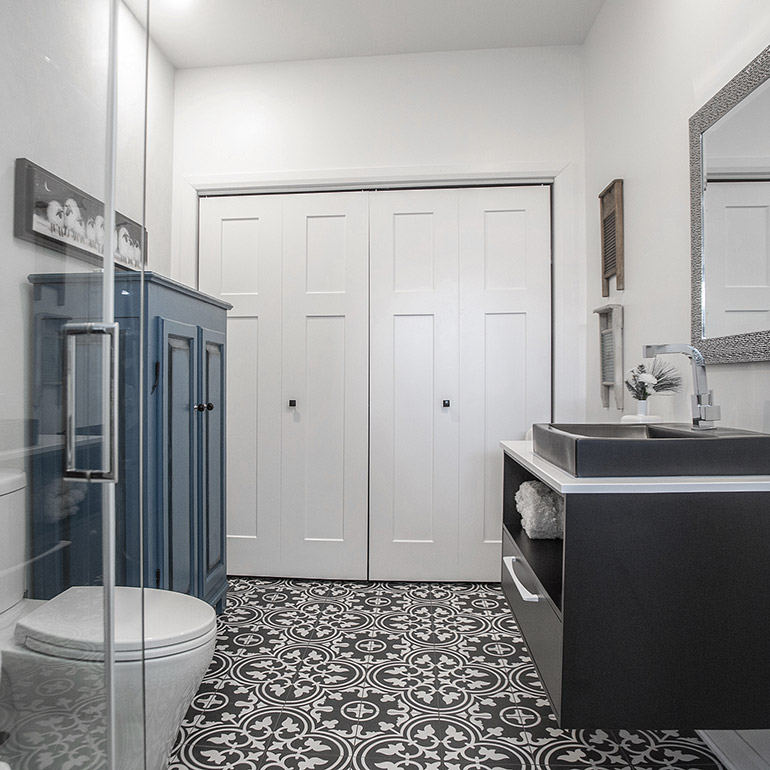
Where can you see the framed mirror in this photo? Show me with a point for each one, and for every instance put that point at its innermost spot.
(730, 219)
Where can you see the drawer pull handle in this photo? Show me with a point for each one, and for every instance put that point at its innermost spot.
(526, 595)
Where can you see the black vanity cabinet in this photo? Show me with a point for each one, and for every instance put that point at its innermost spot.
(653, 612)
(177, 477)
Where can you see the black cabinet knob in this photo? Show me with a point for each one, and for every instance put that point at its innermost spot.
(200, 407)
(209, 406)
(445, 402)
(292, 402)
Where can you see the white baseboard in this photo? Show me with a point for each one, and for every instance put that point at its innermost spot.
(740, 750)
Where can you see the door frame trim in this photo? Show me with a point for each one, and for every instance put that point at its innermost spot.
(338, 180)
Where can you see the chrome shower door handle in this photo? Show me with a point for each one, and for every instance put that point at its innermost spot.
(72, 333)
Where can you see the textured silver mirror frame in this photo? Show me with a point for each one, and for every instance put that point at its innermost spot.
(734, 348)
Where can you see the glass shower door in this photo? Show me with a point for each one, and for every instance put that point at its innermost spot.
(70, 496)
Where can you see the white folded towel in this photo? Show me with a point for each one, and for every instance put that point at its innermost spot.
(541, 509)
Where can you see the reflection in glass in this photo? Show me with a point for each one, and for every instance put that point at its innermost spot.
(736, 219)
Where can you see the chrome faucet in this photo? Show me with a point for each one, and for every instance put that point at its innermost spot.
(704, 410)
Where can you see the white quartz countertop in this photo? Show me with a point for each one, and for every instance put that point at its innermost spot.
(566, 483)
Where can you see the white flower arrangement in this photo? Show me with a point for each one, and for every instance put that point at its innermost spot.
(642, 382)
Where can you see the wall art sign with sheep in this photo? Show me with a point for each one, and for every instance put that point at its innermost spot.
(52, 212)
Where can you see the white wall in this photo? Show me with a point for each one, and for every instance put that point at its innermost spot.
(53, 88)
(53, 92)
(159, 89)
(649, 65)
(515, 111)
(160, 160)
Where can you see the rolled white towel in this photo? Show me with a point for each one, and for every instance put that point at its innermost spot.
(541, 510)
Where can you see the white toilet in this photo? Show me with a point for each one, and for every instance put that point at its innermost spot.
(54, 662)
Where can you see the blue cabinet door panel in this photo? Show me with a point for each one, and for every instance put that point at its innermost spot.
(212, 455)
(179, 453)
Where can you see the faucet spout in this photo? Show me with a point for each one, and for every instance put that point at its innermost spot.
(704, 410)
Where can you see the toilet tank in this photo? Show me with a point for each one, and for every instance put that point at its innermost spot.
(13, 529)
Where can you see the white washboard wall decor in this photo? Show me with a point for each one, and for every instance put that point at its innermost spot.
(611, 351)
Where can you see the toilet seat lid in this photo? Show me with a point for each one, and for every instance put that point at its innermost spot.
(71, 624)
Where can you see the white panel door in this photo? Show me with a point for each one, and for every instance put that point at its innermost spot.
(324, 465)
(295, 269)
(736, 265)
(413, 371)
(505, 352)
(240, 250)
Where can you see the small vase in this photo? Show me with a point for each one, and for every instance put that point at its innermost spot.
(642, 414)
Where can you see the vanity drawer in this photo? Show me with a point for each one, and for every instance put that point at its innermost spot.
(538, 621)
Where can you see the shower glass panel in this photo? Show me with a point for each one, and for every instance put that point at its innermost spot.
(72, 130)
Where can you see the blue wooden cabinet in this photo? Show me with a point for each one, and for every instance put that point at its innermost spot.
(171, 492)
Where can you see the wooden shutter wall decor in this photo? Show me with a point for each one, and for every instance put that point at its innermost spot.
(611, 204)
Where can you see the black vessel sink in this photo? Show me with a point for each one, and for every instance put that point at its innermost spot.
(657, 449)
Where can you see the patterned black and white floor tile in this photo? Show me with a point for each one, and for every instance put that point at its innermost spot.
(315, 675)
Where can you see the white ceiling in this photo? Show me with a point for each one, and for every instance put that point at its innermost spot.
(205, 33)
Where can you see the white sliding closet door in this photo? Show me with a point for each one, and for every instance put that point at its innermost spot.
(455, 340)
(413, 370)
(460, 308)
(295, 268)
(240, 244)
(325, 365)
